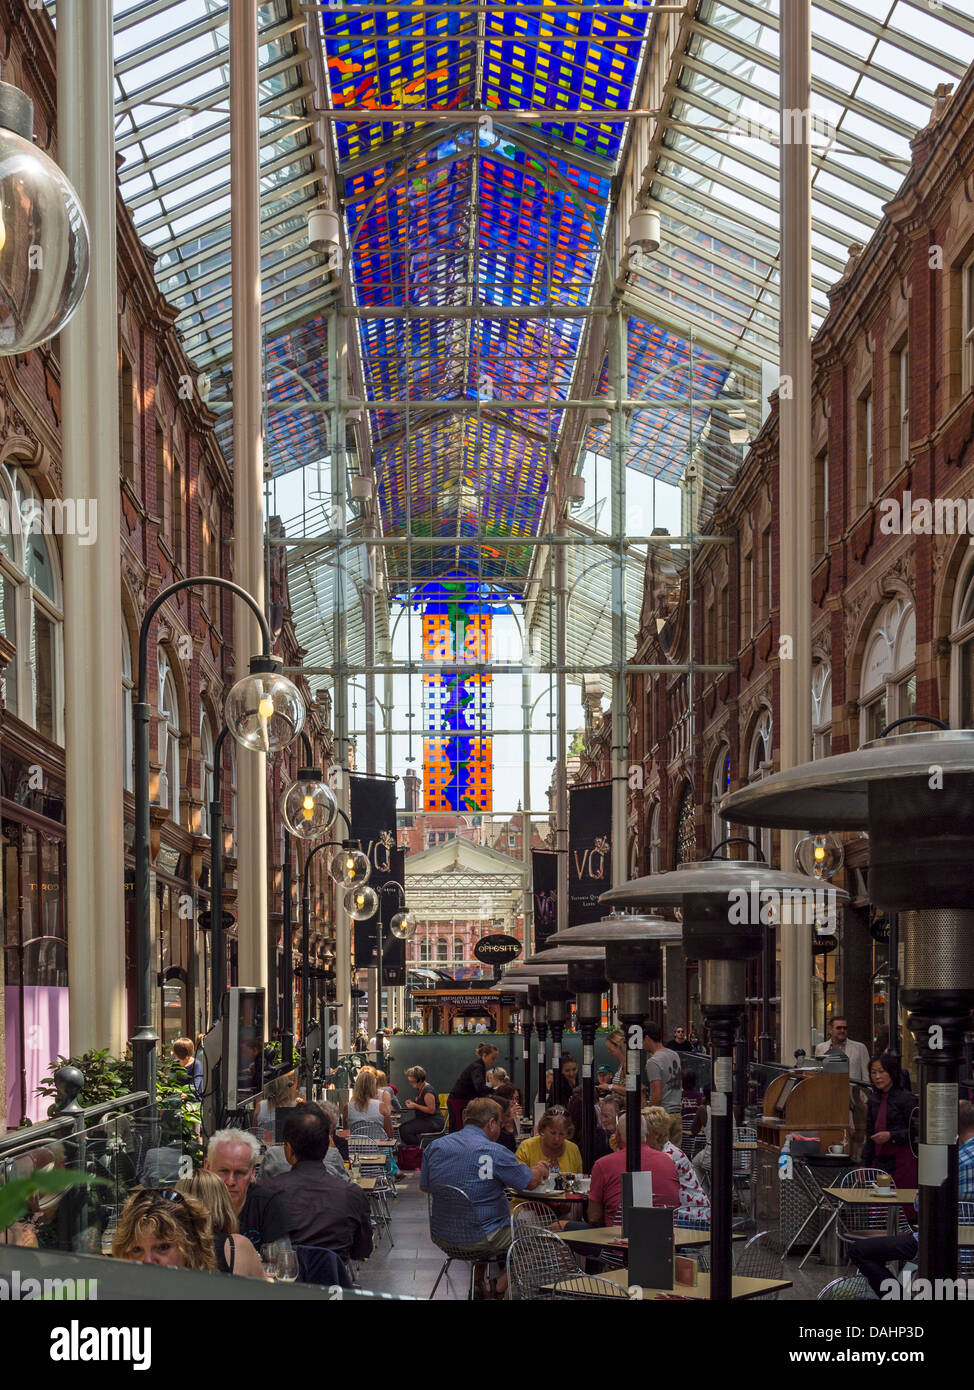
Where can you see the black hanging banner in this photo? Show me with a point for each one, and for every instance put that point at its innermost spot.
(589, 851)
(544, 875)
(372, 811)
(393, 949)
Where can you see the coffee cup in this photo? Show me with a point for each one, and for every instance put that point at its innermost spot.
(836, 1149)
(883, 1180)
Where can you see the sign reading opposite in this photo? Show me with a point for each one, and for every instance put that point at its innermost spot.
(497, 949)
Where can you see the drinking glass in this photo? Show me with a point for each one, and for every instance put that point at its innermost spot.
(287, 1263)
(269, 1258)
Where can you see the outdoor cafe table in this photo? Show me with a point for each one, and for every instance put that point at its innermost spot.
(867, 1197)
(741, 1286)
(612, 1235)
(366, 1184)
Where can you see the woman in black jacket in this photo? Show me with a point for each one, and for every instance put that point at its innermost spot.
(471, 1083)
(888, 1113)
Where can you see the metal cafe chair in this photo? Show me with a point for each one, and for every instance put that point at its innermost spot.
(586, 1286)
(965, 1253)
(456, 1229)
(853, 1220)
(530, 1214)
(849, 1287)
(820, 1201)
(757, 1260)
(536, 1261)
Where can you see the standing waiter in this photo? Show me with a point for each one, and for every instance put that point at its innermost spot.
(471, 1083)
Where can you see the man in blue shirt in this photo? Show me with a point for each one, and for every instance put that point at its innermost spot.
(473, 1160)
(871, 1253)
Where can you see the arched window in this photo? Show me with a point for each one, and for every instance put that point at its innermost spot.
(887, 684)
(686, 829)
(821, 709)
(168, 740)
(457, 949)
(30, 608)
(759, 764)
(128, 775)
(206, 772)
(719, 787)
(962, 652)
(654, 845)
(441, 949)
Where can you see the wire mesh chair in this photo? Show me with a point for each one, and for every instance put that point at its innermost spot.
(457, 1230)
(820, 1201)
(965, 1253)
(362, 1145)
(581, 1286)
(757, 1260)
(533, 1215)
(853, 1220)
(849, 1287)
(536, 1261)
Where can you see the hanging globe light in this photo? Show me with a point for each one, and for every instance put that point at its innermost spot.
(44, 245)
(404, 924)
(350, 867)
(361, 903)
(308, 806)
(264, 711)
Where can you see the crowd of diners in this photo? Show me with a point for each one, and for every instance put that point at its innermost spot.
(249, 1195)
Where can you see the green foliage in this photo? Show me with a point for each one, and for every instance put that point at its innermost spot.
(15, 1196)
(106, 1077)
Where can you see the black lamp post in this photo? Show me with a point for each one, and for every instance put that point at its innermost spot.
(263, 711)
(402, 926)
(633, 947)
(914, 794)
(723, 902)
(586, 981)
(359, 867)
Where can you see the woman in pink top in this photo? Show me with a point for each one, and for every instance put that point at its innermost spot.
(605, 1194)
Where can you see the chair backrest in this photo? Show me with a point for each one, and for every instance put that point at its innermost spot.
(850, 1286)
(588, 1286)
(853, 1219)
(757, 1260)
(366, 1129)
(319, 1266)
(861, 1177)
(536, 1259)
(534, 1214)
(454, 1222)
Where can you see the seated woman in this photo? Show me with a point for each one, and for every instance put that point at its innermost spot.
(425, 1117)
(279, 1094)
(161, 1227)
(334, 1159)
(508, 1099)
(234, 1252)
(563, 1084)
(552, 1145)
(382, 1081)
(693, 1200)
(366, 1105)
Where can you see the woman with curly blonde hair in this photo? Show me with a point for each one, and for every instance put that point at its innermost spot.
(234, 1252)
(161, 1227)
(367, 1105)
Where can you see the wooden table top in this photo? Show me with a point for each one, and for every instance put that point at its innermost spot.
(866, 1197)
(612, 1235)
(366, 1184)
(741, 1287)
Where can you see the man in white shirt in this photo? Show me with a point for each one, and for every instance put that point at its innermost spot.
(839, 1041)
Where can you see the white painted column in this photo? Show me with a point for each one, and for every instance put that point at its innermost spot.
(794, 475)
(92, 583)
(248, 474)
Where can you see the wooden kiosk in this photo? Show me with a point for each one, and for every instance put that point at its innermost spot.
(814, 1104)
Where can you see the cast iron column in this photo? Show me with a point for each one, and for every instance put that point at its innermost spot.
(722, 992)
(541, 1024)
(287, 983)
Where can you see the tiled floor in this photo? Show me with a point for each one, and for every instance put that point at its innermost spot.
(411, 1265)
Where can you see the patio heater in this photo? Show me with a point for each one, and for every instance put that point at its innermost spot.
(507, 984)
(633, 957)
(914, 794)
(587, 982)
(714, 895)
(517, 976)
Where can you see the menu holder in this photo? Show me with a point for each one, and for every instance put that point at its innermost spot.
(637, 1191)
(650, 1260)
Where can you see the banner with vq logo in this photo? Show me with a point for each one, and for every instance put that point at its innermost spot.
(372, 811)
(589, 851)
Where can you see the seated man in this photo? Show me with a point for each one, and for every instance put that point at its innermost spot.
(323, 1210)
(232, 1155)
(473, 1160)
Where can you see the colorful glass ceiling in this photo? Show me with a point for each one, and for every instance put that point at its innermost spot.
(476, 213)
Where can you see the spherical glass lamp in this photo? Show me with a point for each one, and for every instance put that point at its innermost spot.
(264, 710)
(361, 903)
(350, 867)
(404, 924)
(44, 245)
(308, 806)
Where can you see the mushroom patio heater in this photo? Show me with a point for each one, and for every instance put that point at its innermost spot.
(587, 982)
(527, 975)
(633, 957)
(722, 901)
(914, 794)
(509, 985)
